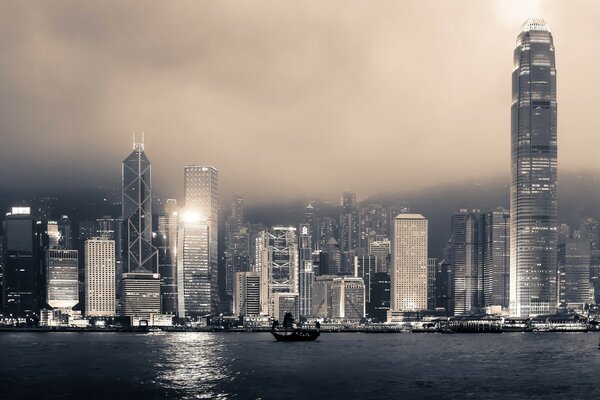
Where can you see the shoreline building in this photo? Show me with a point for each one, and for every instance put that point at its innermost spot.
(277, 263)
(198, 251)
(533, 202)
(22, 279)
(141, 281)
(467, 245)
(100, 296)
(496, 264)
(408, 274)
(168, 224)
(62, 282)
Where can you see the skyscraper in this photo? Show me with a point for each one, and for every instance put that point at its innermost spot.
(496, 264)
(306, 274)
(22, 272)
(62, 284)
(349, 222)
(277, 262)
(533, 203)
(237, 244)
(409, 263)
(467, 244)
(168, 224)
(141, 282)
(201, 213)
(99, 277)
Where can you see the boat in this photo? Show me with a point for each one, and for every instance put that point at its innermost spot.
(291, 333)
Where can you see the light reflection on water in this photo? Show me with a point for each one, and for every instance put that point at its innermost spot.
(193, 364)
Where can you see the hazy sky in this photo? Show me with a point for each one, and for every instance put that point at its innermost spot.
(285, 98)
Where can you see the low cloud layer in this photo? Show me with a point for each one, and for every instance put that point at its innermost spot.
(285, 98)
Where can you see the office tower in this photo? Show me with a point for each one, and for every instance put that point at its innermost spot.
(349, 222)
(327, 230)
(22, 272)
(321, 301)
(237, 244)
(312, 220)
(1, 272)
(431, 272)
(277, 262)
(533, 203)
(348, 299)
(284, 303)
(110, 228)
(574, 272)
(444, 287)
(330, 259)
(496, 264)
(381, 249)
(99, 277)
(201, 203)
(378, 296)
(141, 281)
(409, 263)
(62, 284)
(168, 224)
(194, 278)
(306, 273)
(246, 294)
(53, 234)
(467, 244)
(66, 232)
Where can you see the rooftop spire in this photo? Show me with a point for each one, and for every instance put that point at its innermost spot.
(138, 143)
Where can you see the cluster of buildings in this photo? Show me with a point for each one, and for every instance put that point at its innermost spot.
(365, 263)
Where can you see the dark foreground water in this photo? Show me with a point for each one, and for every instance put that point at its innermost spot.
(253, 365)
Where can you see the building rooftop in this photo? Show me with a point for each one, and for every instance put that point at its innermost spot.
(409, 216)
(535, 24)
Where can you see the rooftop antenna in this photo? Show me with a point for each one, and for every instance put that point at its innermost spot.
(138, 143)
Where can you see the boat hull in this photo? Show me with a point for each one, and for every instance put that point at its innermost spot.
(296, 336)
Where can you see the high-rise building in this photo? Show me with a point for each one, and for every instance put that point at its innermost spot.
(574, 272)
(237, 244)
(312, 220)
(306, 273)
(141, 281)
(246, 293)
(53, 234)
(444, 287)
(202, 210)
(22, 272)
(330, 262)
(349, 222)
(409, 263)
(533, 203)
(194, 277)
(283, 303)
(277, 262)
(66, 232)
(100, 293)
(327, 230)
(431, 274)
(467, 245)
(321, 301)
(379, 296)
(496, 264)
(62, 284)
(166, 239)
(382, 250)
(348, 299)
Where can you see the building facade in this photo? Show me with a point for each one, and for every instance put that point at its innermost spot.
(409, 263)
(100, 296)
(533, 203)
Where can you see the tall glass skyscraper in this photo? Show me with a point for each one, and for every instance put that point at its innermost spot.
(533, 204)
(141, 281)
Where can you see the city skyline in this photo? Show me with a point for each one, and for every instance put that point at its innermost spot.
(388, 111)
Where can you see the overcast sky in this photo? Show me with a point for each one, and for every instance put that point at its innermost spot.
(285, 98)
